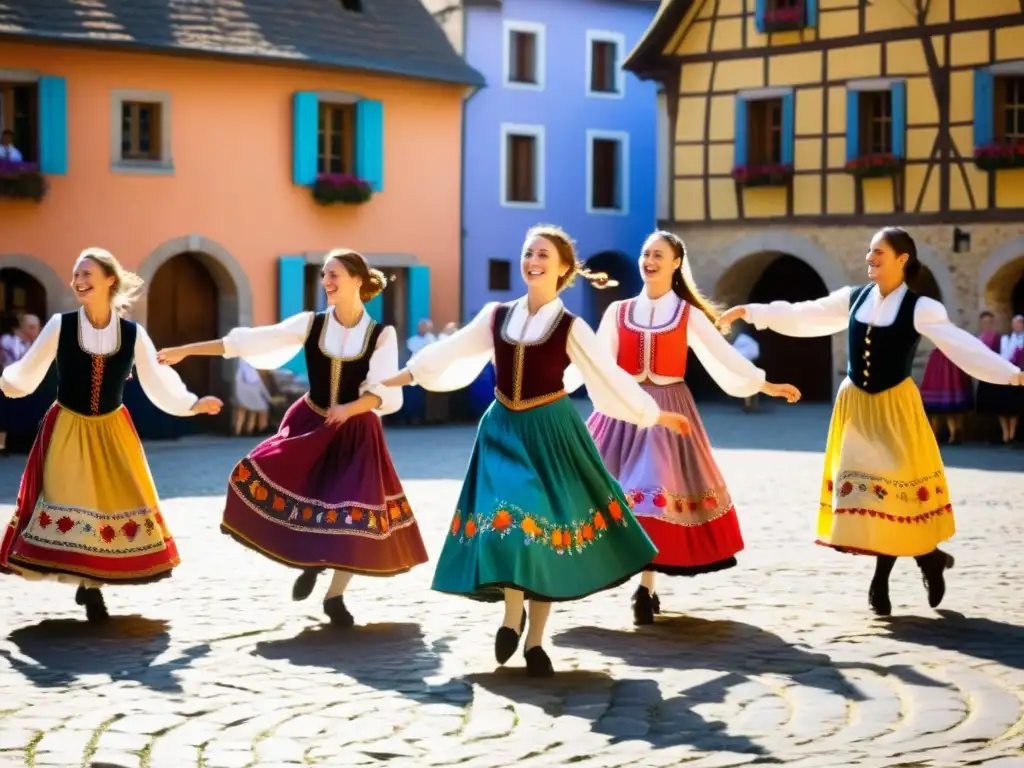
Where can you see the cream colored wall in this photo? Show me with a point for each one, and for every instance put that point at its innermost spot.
(451, 22)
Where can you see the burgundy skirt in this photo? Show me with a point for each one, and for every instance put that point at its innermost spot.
(314, 495)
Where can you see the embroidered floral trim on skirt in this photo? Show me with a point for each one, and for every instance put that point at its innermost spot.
(539, 512)
(944, 387)
(883, 490)
(87, 510)
(314, 495)
(674, 486)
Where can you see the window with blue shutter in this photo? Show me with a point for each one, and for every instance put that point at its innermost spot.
(984, 108)
(759, 11)
(370, 143)
(305, 114)
(776, 16)
(742, 126)
(53, 126)
(417, 296)
(812, 14)
(852, 125)
(899, 119)
(291, 296)
(788, 131)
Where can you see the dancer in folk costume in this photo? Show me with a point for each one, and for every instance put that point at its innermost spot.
(1011, 401)
(884, 489)
(539, 517)
(673, 483)
(947, 393)
(322, 492)
(87, 511)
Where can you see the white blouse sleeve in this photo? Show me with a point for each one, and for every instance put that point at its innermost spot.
(269, 346)
(804, 319)
(456, 361)
(161, 383)
(612, 390)
(607, 337)
(964, 350)
(731, 371)
(24, 377)
(384, 365)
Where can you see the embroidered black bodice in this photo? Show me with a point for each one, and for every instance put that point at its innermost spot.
(336, 380)
(91, 384)
(880, 357)
(529, 374)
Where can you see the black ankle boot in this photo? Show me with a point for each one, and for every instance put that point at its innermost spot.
(933, 567)
(538, 663)
(878, 598)
(336, 611)
(95, 607)
(304, 584)
(643, 606)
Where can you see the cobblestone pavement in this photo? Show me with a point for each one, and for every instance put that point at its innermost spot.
(777, 661)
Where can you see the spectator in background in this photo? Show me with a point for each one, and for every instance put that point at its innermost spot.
(1011, 348)
(414, 409)
(18, 420)
(8, 152)
(252, 401)
(747, 346)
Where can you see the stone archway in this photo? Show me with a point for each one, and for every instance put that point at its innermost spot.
(943, 277)
(58, 295)
(999, 277)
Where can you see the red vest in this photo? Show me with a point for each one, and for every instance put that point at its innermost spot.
(669, 347)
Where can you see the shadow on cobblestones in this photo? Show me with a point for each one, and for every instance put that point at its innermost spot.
(981, 638)
(57, 652)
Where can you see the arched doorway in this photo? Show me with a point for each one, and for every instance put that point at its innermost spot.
(1017, 296)
(760, 279)
(618, 267)
(182, 308)
(20, 294)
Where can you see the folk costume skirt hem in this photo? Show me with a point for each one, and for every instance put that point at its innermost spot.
(883, 488)
(945, 389)
(539, 513)
(319, 496)
(674, 487)
(87, 510)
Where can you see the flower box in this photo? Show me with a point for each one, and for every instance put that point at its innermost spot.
(763, 175)
(334, 188)
(997, 156)
(21, 180)
(785, 19)
(875, 166)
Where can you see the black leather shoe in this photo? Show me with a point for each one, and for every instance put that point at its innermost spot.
(655, 603)
(80, 595)
(304, 584)
(538, 663)
(505, 643)
(336, 611)
(933, 572)
(95, 607)
(643, 607)
(878, 599)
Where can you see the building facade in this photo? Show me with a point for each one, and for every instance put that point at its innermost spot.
(798, 127)
(561, 134)
(221, 150)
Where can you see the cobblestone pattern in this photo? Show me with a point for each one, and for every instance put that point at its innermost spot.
(777, 661)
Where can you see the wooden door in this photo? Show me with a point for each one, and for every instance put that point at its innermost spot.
(182, 309)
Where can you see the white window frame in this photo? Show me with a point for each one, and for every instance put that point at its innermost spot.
(619, 40)
(623, 138)
(540, 33)
(165, 165)
(518, 129)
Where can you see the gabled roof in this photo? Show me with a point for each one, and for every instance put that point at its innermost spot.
(645, 58)
(398, 37)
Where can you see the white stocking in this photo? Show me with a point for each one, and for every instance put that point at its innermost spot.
(647, 580)
(338, 584)
(539, 613)
(514, 600)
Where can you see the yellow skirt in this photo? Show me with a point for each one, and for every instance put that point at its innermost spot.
(88, 509)
(883, 491)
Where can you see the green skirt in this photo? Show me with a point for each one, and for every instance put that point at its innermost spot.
(539, 512)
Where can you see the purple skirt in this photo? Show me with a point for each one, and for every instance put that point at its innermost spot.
(314, 495)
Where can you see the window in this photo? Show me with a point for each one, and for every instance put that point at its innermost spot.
(140, 131)
(1009, 98)
(524, 55)
(522, 166)
(604, 71)
(764, 128)
(335, 138)
(876, 122)
(786, 15)
(140, 137)
(499, 275)
(607, 172)
(19, 113)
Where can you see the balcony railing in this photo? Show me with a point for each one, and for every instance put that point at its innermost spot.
(21, 180)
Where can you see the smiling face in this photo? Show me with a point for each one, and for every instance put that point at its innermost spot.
(884, 264)
(658, 263)
(1018, 324)
(338, 283)
(90, 283)
(542, 264)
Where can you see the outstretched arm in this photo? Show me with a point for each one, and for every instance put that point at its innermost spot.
(266, 346)
(805, 319)
(963, 349)
(162, 384)
(24, 377)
